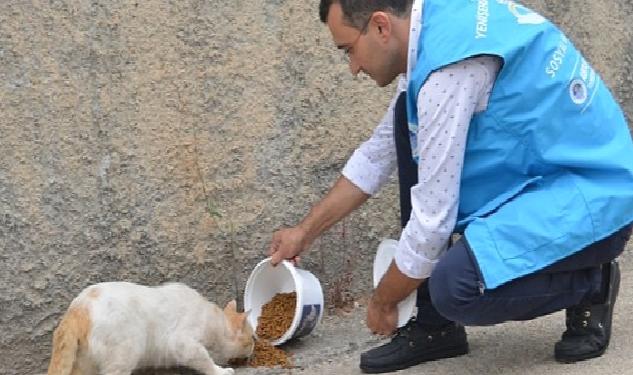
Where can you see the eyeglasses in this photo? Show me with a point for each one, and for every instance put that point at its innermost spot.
(347, 50)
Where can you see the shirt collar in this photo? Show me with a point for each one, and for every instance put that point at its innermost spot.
(414, 35)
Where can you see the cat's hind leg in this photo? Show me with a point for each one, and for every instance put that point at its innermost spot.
(117, 364)
(195, 356)
(117, 351)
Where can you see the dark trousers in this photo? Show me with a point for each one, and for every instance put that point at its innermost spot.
(453, 291)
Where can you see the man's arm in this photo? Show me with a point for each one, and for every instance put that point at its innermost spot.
(366, 171)
(343, 198)
(382, 312)
(395, 286)
(446, 104)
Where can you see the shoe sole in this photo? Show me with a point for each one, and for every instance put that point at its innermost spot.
(613, 294)
(444, 353)
(583, 357)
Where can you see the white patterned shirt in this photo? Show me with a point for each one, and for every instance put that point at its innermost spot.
(446, 104)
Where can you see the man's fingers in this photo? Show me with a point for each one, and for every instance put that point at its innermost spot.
(274, 245)
(282, 246)
(275, 259)
(383, 332)
(295, 260)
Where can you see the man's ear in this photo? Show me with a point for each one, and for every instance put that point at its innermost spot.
(382, 22)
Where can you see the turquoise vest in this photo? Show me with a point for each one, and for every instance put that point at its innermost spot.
(548, 167)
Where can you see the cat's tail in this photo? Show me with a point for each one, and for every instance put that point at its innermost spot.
(70, 336)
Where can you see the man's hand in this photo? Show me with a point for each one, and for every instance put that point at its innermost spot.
(382, 317)
(382, 311)
(342, 199)
(288, 243)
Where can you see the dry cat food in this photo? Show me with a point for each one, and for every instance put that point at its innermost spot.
(276, 316)
(264, 355)
(274, 320)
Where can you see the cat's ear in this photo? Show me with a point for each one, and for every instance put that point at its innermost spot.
(231, 306)
(244, 316)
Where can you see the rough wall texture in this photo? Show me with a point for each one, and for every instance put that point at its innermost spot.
(165, 140)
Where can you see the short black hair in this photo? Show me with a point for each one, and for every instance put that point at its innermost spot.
(356, 12)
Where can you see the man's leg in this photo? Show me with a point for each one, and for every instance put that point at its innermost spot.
(430, 336)
(583, 283)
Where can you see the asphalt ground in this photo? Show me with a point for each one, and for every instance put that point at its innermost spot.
(334, 347)
(510, 348)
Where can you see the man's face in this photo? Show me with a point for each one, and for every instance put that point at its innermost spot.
(368, 52)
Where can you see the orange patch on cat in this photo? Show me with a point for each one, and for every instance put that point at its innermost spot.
(236, 320)
(70, 335)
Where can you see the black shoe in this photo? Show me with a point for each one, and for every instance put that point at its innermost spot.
(589, 326)
(413, 345)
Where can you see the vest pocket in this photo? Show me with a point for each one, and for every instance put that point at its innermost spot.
(550, 212)
(497, 202)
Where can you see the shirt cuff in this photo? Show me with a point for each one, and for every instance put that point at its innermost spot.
(412, 263)
(360, 172)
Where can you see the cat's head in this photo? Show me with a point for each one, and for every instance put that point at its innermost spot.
(240, 342)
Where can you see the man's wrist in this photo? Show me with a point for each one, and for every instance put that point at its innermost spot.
(379, 300)
(306, 230)
(395, 286)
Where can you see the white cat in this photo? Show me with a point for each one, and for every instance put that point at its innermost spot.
(116, 327)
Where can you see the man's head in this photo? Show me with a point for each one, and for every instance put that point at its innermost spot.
(372, 33)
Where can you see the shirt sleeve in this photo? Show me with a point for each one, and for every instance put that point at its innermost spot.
(374, 161)
(446, 104)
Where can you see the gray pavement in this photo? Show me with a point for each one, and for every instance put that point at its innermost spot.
(510, 348)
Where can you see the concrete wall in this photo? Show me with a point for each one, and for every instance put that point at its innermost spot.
(165, 140)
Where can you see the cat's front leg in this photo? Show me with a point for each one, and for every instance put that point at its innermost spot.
(225, 370)
(194, 355)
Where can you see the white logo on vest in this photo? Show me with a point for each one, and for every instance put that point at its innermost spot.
(524, 15)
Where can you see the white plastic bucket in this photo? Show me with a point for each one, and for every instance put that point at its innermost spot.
(267, 281)
(384, 256)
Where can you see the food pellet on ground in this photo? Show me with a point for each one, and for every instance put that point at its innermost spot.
(266, 355)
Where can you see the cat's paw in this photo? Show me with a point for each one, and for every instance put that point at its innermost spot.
(226, 371)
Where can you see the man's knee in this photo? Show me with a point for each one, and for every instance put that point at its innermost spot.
(453, 287)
